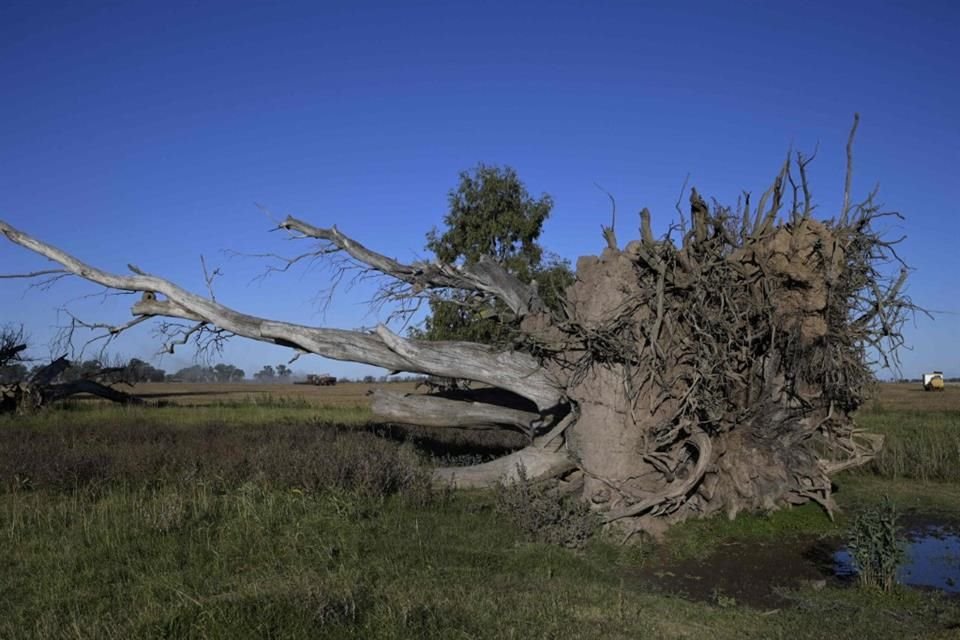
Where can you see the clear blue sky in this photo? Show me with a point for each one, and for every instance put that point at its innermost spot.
(147, 132)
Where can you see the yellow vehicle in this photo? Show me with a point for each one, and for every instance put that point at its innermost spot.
(933, 381)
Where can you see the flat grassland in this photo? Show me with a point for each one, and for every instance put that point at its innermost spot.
(888, 396)
(911, 397)
(285, 511)
(348, 394)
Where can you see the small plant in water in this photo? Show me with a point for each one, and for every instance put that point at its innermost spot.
(875, 545)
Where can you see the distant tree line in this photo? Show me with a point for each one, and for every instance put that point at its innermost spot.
(14, 368)
(280, 373)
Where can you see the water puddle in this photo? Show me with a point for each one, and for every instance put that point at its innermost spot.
(933, 560)
(756, 574)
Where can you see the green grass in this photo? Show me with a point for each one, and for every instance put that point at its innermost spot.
(187, 562)
(267, 521)
(918, 445)
(854, 492)
(940, 500)
(701, 538)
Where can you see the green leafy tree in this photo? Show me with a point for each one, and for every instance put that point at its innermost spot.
(228, 373)
(139, 371)
(196, 373)
(84, 370)
(265, 374)
(491, 213)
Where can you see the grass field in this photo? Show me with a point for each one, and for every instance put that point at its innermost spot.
(922, 430)
(283, 513)
(350, 394)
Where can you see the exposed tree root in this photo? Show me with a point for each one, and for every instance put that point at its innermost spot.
(676, 490)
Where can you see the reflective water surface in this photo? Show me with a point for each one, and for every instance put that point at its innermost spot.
(933, 560)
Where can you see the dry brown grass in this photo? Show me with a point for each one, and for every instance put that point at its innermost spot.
(350, 394)
(910, 396)
(308, 457)
(888, 396)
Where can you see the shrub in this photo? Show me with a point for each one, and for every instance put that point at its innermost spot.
(544, 515)
(310, 458)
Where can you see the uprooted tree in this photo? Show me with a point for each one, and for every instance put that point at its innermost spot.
(714, 369)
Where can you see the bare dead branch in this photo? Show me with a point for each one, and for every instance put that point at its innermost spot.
(513, 371)
(848, 178)
(33, 274)
(209, 277)
(802, 163)
(646, 234)
(683, 223)
(610, 233)
(486, 275)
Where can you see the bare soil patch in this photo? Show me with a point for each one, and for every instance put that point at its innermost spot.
(747, 573)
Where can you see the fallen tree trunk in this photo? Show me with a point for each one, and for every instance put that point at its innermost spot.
(91, 387)
(718, 371)
(536, 463)
(11, 352)
(430, 411)
(40, 390)
(26, 397)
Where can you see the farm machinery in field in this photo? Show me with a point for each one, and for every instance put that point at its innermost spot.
(320, 380)
(933, 381)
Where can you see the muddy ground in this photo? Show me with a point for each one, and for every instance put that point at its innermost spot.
(763, 574)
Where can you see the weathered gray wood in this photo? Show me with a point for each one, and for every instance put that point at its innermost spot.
(486, 275)
(514, 371)
(537, 463)
(430, 411)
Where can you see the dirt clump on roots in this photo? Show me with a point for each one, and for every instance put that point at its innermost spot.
(721, 372)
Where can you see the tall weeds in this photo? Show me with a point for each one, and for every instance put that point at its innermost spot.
(308, 458)
(876, 547)
(919, 446)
